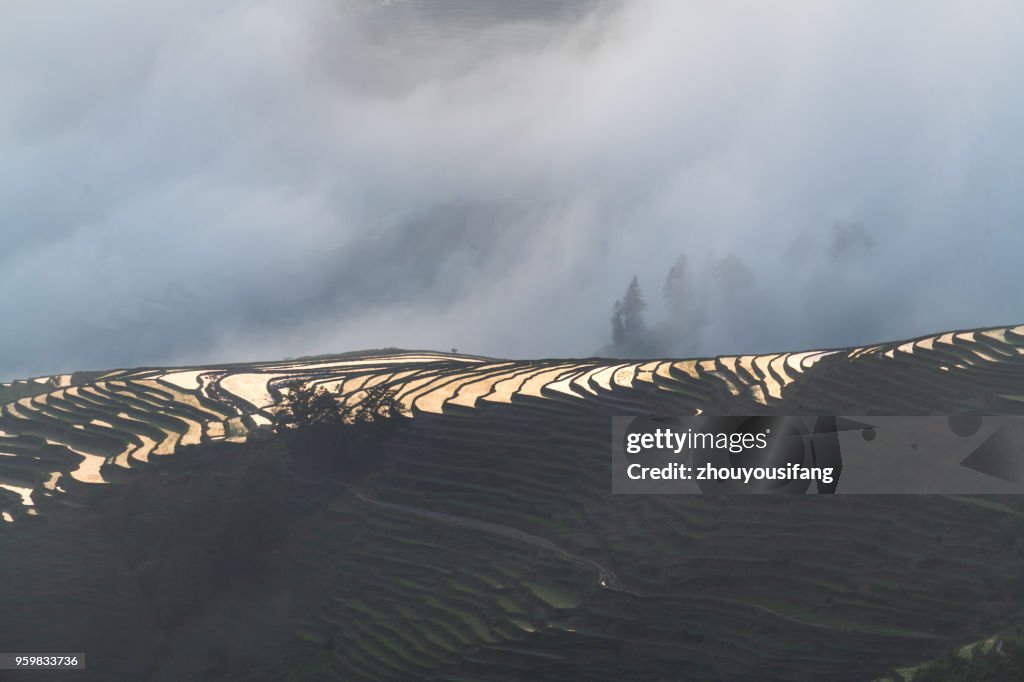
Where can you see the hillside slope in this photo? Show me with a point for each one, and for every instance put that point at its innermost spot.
(485, 544)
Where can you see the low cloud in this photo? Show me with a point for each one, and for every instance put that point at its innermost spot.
(197, 182)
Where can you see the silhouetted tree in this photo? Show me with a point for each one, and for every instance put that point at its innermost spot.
(629, 334)
(329, 436)
(376, 404)
(675, 287)
(633, 307)
(679, 333)
(306, 405)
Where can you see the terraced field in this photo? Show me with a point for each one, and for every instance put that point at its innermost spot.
(488, 545)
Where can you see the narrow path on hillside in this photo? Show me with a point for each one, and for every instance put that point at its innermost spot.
(607, 577)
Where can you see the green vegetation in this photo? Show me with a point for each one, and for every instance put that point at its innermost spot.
(995, 659)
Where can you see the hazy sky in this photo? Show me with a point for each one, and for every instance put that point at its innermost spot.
(192, 181)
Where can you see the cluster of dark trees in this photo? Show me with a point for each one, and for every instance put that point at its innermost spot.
(629, 333)
(676, 334)
(327, 434)
(710, 303)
